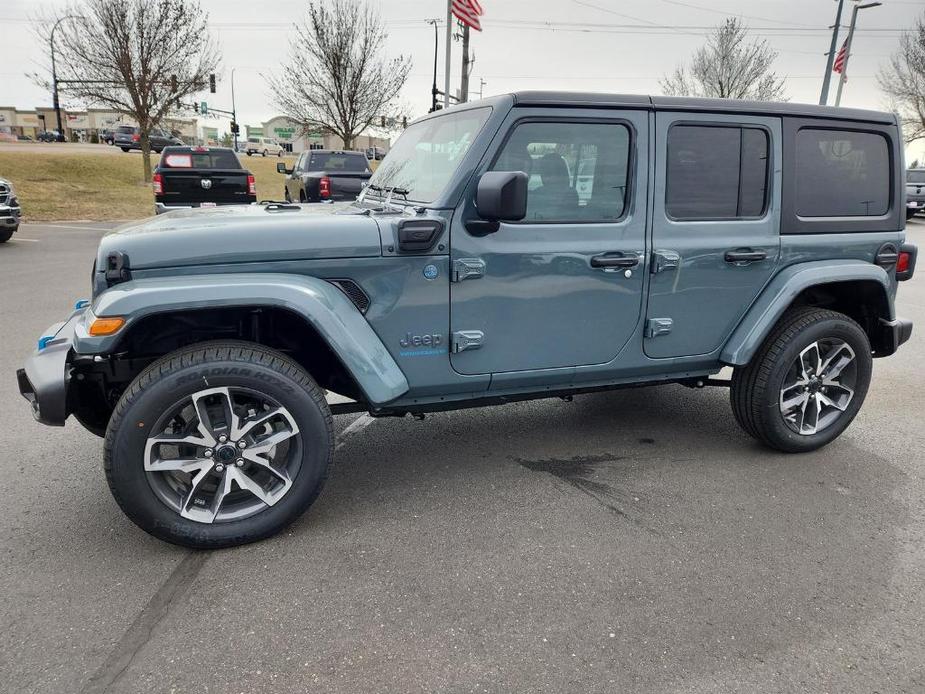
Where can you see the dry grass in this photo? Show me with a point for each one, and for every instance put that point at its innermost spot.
(59, 186)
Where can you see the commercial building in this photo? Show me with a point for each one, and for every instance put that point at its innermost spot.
(81, 126)
(290, 135)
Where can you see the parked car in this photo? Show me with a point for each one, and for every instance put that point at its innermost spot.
(322, 175)
(764, 237)
(189, 177)
(10, 211)
(263, 146)
(127, 138)
(107, 136)
(24, 138)
(915, 192)
(49, 136)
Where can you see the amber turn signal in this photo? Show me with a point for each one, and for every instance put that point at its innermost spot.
(105, 326)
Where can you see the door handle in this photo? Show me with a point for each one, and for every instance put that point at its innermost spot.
(615, 259)
(745, 255)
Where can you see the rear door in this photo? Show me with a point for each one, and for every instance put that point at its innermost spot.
(563, 287)
(715, 227)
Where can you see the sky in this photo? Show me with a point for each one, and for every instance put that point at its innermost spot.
(622, 46)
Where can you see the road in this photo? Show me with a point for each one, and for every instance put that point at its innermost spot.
(633, 541)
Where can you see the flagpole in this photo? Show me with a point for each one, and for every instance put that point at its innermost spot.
(449, 54)
(844, 71)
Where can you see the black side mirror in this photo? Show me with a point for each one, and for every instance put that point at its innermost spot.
(502, 196)
(281, 168)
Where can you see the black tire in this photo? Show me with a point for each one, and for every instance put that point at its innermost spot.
(756, 388)
(286, 195)
(248, 152)
(178, 375)
(910, 213)
(279, 153)
(125, 149)
(7, 234)
(264, 152)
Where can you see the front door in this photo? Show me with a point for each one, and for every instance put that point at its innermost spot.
(563, 287)
(715, 227)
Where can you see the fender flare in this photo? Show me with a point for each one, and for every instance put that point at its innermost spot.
(779, 294)
(317, 301)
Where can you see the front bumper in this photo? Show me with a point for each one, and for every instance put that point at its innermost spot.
(894, 333)
(45, 379)
(9, 216)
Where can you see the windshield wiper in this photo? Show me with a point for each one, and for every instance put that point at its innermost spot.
(385, 193)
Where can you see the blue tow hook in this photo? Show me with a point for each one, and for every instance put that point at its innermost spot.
(81, 303)
(44, 340)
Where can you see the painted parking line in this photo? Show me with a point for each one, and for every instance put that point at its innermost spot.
(19, 238)
(355, 427)
(74, 226)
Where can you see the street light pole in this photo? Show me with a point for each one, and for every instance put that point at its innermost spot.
(234, 113)
(844, 70)
(827, 78)
(449, 54)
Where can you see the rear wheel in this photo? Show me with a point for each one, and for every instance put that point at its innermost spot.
(286, 195)
(910, 213)
(264, 153)
(279, 153)
(125, 149)
(806, 383)
(219, 445)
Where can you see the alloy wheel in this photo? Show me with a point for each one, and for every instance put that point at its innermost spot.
(223, 454)
(818, 386)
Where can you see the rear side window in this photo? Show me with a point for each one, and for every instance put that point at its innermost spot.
(125, 129)
(716, 172)
(355, 163)
(841, 173)
(212, 159)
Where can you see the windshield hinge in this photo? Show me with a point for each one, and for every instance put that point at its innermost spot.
(462, 340)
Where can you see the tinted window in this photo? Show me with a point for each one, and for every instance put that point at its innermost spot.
(125, 129)
(577, 171)
(716, 172)
(211, 159)
(915, 176)
(840, 173)
(338, 162)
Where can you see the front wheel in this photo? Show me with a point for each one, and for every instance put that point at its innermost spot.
(264, 153)
(218, 445)
(806, 383)
(6, 234)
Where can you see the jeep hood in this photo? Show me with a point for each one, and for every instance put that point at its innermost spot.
(251, 233)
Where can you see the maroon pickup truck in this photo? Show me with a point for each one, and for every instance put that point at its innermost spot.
(201, 177)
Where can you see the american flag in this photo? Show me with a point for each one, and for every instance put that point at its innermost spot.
(841, 58)
(467, 12)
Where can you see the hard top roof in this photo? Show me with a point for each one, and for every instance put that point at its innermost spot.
(676, 103)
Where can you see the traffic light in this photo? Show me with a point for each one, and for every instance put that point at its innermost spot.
(204, 108)
(196, 107)
(404, 121)
(235, 128)
(212, 83)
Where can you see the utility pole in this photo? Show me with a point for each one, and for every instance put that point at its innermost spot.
(54, 78)
(464, 78)
(234, 113)
(433, 90)
(844, 71)
(827, 78)
(449, 54)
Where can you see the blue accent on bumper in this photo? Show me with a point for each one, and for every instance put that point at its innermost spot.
(81, 303)
(44, 340)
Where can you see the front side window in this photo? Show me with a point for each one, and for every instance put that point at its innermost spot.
(842, 173)
(578, 172)
(427, 154)
(716, 172)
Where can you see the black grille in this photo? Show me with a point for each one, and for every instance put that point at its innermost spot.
(4, 194)
(354, 292)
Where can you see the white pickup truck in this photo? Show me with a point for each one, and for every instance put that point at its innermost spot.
(263, 146)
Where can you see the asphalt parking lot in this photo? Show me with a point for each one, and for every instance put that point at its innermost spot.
(634, 541)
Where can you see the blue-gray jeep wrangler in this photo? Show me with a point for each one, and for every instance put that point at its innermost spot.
(528, 245)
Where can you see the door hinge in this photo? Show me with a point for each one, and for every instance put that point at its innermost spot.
(468, 269)
(658, 326)
(462, 340)
(665, 260)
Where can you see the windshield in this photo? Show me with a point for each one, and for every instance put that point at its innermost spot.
(915, 177)
(427, 154)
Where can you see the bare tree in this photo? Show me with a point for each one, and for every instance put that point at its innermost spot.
(729, 66)
(136, 57)
(337, 77)
(903, 81)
